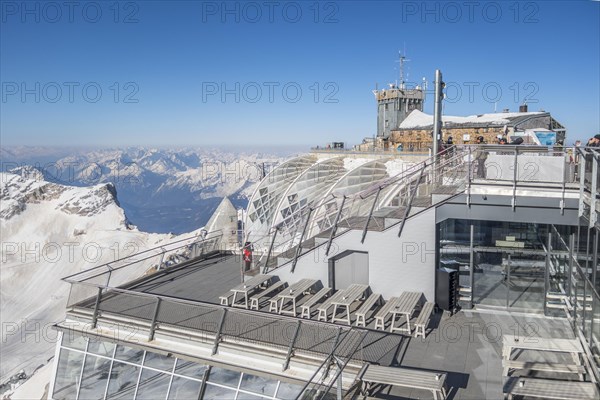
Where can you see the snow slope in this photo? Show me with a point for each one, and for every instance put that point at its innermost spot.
(49, 231)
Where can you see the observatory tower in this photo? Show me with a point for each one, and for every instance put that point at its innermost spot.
(395, 103)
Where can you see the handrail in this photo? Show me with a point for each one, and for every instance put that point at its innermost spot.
(410, 201)
(110, 265)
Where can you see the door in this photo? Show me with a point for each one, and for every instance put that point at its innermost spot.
(347, 268)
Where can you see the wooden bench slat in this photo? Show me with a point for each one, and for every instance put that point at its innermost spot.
(423, 319)
(256, 299)
(323, 308)
(361, 313)
(384, 311)
(312, 301)
(224, 299)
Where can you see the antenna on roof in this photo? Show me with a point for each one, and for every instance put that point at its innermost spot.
(402, 59)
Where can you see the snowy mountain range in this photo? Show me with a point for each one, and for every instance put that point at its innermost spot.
(161, 190)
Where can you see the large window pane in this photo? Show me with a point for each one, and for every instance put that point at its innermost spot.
(288, 391)
(129, 354)
(122, 381)
(158, 361)
(189, 368)
(100, 347)
(224, 377)
(67, 374)
(490, 280)
(213, 392)
(526, 281)
(258, 384)
(95, 378)
(153, 385)
(184, 389)
(70, 339)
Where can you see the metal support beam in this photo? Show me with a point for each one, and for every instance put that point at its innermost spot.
(437, 113)
(516, 169)
(162, 257)
(339, 383)
(508, 282)
(593, 281)
(364, 234)
(571, 260)
(218, 333)
(412, 196)
(154, 317)
(299, 248)
(325, 364)
(472, 265)
(203, 384)
(594, 257)
(286, 364)
(96, 309)
(562, 194)
(270, 250)
(581, 183)
(547, 271)
(593, 193)
(469, 177)
(334, 227)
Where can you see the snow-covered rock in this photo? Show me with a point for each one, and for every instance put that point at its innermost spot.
(50, 231)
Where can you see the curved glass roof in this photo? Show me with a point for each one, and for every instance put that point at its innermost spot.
(306, 191)
(285, 196)
(361, 177)
(266, 197)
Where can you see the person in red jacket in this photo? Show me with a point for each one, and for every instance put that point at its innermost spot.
(247, 254)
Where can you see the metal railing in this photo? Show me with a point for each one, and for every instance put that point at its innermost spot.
(126, 269)
(574, 284)
(215, 324)
(589, 180)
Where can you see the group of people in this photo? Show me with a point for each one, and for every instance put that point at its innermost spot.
(594, 141)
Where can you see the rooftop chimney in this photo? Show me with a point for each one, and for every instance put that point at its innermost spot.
(523, 108)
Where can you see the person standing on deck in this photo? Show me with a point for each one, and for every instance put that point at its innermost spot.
(480, 157)
(247, 253)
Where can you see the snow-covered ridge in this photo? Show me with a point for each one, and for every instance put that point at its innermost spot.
(50, 231)
(17, 191)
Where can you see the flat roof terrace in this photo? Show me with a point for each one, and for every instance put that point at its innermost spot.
(468, 345)
(201, 280)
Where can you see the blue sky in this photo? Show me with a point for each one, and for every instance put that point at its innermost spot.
(285, 72)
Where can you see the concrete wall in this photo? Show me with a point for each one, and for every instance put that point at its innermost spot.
(395, 264)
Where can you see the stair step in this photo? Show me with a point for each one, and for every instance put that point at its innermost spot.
(391, 212)
(308, 243)
(358, 223)
(422, 202)
(445, 189)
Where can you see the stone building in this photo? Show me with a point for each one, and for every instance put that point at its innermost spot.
(415, 131)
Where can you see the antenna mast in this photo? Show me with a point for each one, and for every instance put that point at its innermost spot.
(402, 59)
